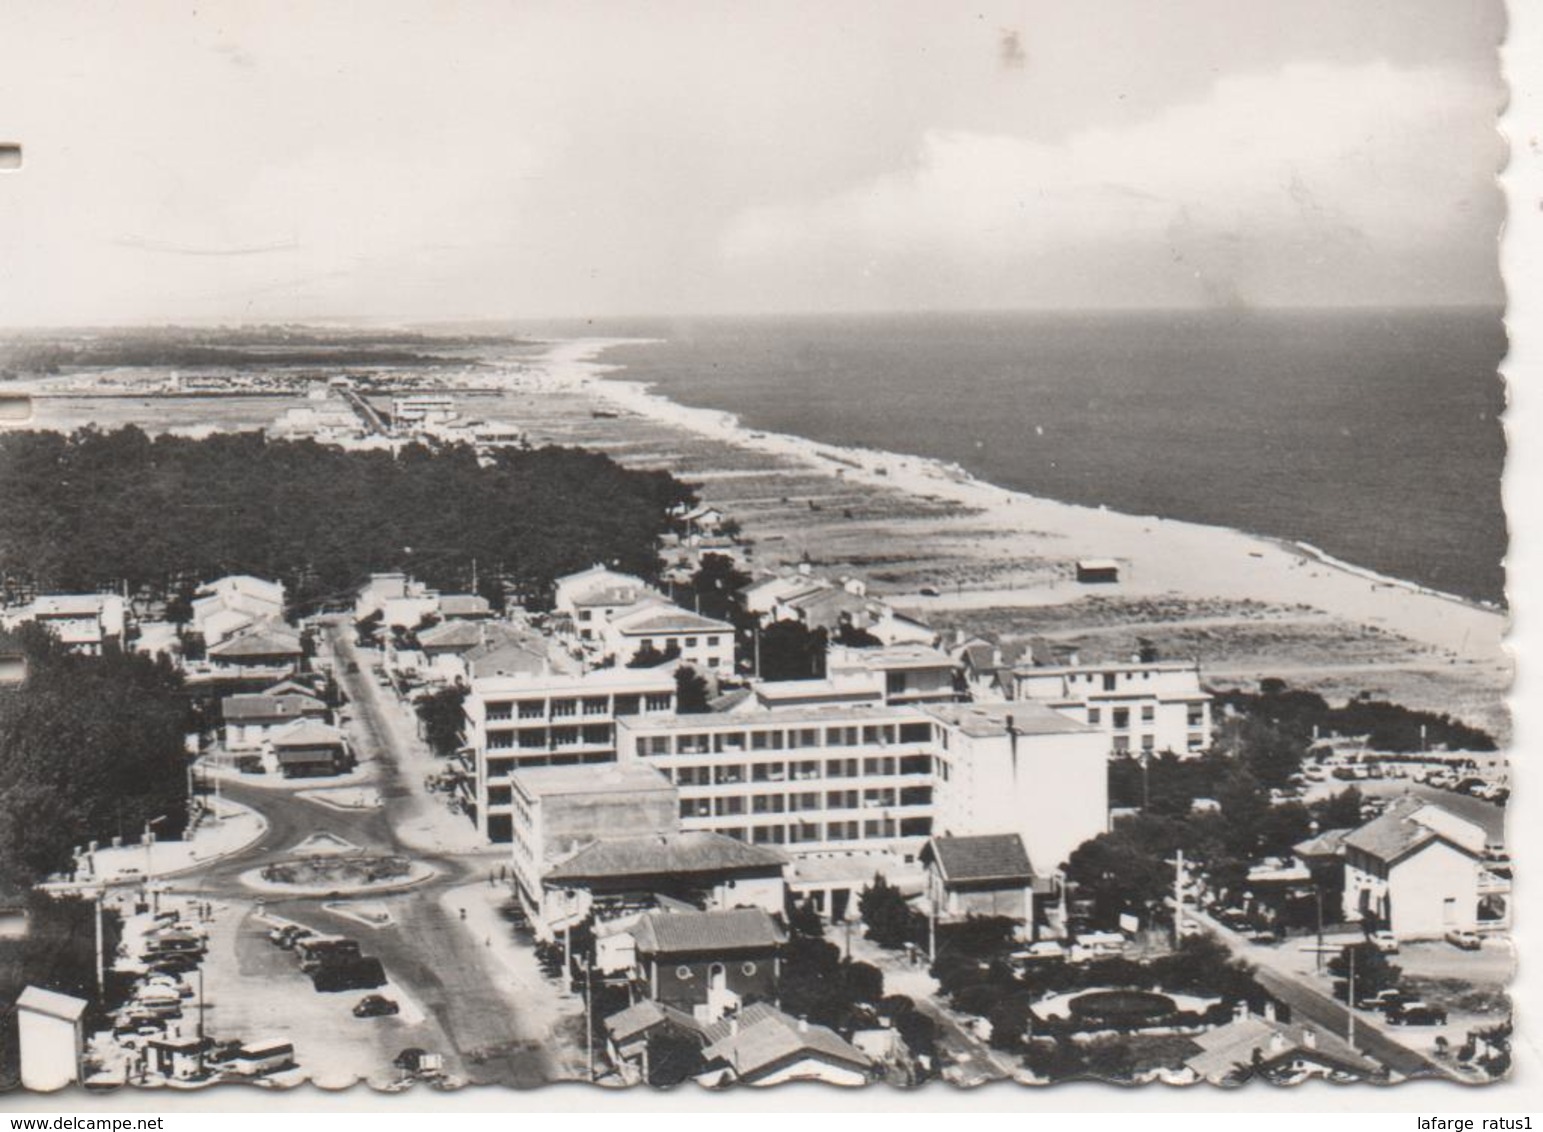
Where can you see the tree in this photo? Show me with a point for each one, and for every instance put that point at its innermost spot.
(1338, 811)
(97, 509)
(1373, 971)
(1124, 870)
(443, 716)
(789, 651)
(716, 584)
(90, 748)
(650, 657)
(690, 691)
(891, 920)
(850, 636)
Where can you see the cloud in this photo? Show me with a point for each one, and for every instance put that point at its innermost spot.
(1269, 190)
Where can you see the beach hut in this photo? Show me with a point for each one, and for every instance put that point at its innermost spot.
(1097, 571)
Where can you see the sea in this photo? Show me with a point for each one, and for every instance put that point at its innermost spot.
(1373, 435)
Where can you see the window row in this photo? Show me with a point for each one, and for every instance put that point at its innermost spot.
(728, 774)
(785, 739)
(804, 832)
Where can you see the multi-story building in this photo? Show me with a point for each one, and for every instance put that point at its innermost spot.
(705, 643)
(558, 810)
(1139, 705)
(547, 718)
(1415, 869)
(871, 783)
(84, 623)
(590, 598)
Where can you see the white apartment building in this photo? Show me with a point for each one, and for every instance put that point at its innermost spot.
(856, 779)
(1140, 706)
(547, 718)
(590, 598)
(704, 643)
(85, 623)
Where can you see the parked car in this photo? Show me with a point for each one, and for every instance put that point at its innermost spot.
(1416, 1013)
(1045, 950)
(1465, 938)
(360, 973)
(1383, 1000)
(375, 1006)
(1385, 942)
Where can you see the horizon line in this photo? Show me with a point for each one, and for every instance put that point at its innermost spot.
(404, 322)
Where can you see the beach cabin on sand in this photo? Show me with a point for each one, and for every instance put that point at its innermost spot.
(1097, 571)
(1416, 869)
(52, 1039)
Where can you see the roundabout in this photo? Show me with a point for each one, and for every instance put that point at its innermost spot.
(338, 874)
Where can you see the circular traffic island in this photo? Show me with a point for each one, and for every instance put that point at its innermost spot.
(1120, 1008)
(338, 874)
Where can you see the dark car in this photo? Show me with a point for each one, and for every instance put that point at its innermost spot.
(360, 974)
(375, 1006)
(177, 964)
(1416, 1014)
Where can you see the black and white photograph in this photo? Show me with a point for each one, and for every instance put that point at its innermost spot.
(686, 545)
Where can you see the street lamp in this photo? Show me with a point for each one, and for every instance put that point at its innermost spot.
(155, 897)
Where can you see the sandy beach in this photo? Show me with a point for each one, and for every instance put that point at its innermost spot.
(1004, 562)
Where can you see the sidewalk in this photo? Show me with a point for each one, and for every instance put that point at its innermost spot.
(228, 829)
(537, 1005)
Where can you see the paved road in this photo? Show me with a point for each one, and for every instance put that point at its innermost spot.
(1306, 1001)
(433, 957)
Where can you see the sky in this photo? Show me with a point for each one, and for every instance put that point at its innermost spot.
(393, 161)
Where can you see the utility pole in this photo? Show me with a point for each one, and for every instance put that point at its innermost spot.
(1318, 900)
(101, 961)
(1349, 954)
(589, 1021)
(1178, 897)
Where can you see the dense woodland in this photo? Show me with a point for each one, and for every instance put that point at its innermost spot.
(99, 509)
(90, 748)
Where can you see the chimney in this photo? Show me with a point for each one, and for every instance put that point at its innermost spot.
(803, 1025)
(1269, 1010)
(804, 568)
(1278, 1042)
(733, 1025)
(1309, 1038)
(1240, 1011)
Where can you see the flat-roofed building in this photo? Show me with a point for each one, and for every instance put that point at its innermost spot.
(705, 643)
(84, 623)
(856, 783)
(906, 673)
(555, 811)
(1140, 705)
(535, 717)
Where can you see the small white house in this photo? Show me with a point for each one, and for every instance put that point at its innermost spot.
(48, 1025)
(1415, 868)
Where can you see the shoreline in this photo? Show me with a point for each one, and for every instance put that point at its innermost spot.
(1163, 556)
